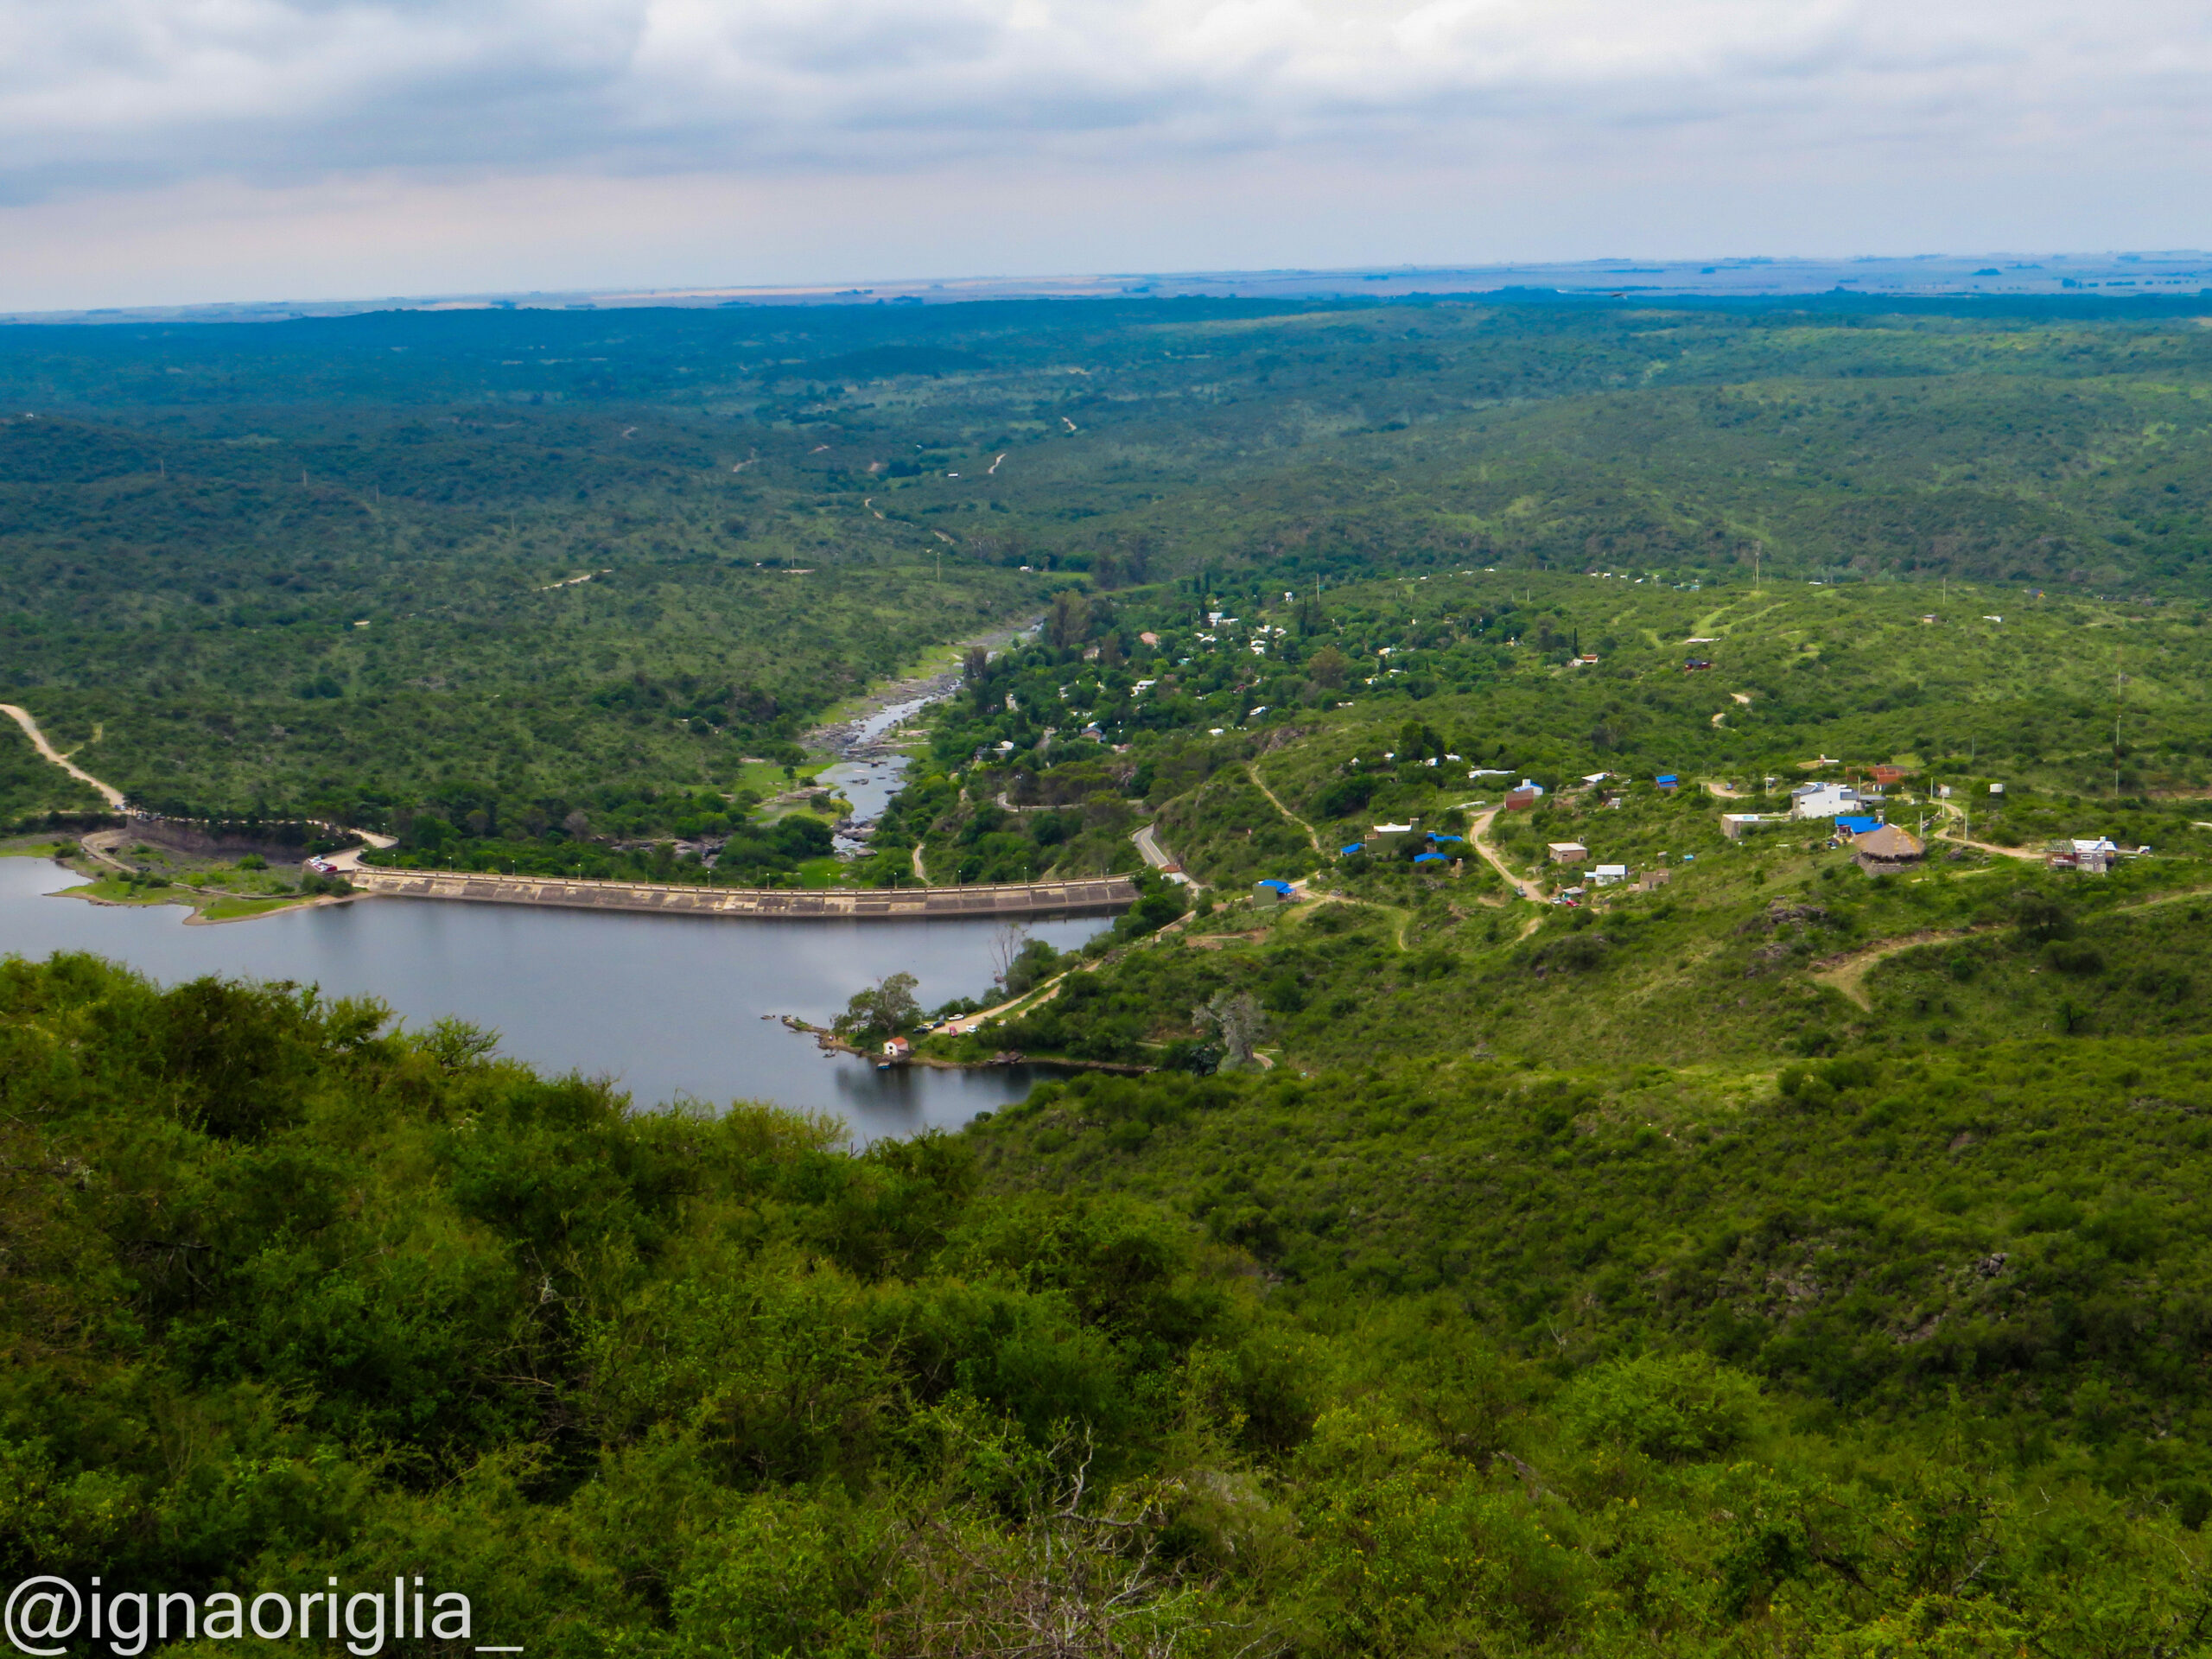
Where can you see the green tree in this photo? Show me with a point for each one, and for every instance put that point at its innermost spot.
(884, 1008)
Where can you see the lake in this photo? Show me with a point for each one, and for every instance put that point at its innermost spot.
(668, 1007)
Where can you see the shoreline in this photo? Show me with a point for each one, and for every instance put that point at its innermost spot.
(830, 1043)
(203, 899)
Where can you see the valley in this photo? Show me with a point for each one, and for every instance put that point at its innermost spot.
(1645, 1091)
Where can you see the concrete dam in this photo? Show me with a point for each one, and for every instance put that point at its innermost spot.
(1086, 893)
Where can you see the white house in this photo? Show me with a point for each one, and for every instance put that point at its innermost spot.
(1823, 800)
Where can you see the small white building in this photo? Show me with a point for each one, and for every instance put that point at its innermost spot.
(1609, 875)
(1823, 801)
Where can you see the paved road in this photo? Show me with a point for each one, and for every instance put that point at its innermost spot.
(351, 858)
(1158, 856)
(109, 792)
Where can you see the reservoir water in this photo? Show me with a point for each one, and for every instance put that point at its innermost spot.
(669, 1006)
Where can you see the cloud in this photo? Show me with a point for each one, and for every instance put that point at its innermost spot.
(153, 149)
(132, 92)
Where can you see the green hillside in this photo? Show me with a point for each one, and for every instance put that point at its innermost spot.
(293, 1299)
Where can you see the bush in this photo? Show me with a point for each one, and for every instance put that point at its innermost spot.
(1672, 1407)
(2080, 960)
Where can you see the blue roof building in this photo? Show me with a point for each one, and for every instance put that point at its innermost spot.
(1347, 850)
(1855, 826)
(1430, 858)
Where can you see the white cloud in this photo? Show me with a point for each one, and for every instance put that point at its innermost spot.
(142, 89)
(1637, 118)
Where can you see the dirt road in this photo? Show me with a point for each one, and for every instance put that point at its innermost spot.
(108, 792)
(1532, 891)
(351, 858)
(1849, 974)
(1253, 772)
(1952, 810)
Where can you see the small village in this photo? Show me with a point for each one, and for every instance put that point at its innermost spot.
(1848, 815)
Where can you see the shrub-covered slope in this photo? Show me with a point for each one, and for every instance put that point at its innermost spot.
(289, 1297)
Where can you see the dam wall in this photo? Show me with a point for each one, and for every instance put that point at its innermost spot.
(1087, 893)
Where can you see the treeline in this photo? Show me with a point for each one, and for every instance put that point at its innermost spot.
(740, 853)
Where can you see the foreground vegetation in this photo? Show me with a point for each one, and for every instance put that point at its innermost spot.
(292, 1296)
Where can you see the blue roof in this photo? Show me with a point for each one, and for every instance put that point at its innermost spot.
(1430, 858)
(1857, 826)
(1440, 840)
(1670, 778)
(1355, 847)
(1280, 886)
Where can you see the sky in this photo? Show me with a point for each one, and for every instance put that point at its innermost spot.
(180, 152)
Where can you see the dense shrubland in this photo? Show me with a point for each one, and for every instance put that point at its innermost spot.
(290, 1295)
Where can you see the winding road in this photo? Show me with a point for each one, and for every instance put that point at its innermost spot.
(1952, 810)
(1152, 853)
(108, 792)
(1261, 783)
(102, 845)
(1532, 891)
